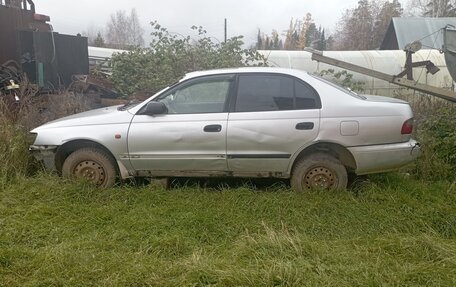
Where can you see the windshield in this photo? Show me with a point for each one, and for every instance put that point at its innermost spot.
(339, 87)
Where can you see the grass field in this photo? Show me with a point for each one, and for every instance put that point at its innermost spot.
(386, 231)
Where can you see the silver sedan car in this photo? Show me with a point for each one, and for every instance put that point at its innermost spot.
(245, 122)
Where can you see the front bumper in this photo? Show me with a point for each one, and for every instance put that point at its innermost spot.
(380, 158)
(46, 154)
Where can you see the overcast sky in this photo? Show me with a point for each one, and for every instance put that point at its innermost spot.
(244, 17)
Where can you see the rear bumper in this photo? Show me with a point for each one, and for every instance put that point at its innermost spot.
(380, 158)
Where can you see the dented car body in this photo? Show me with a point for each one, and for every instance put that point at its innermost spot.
(246, 122)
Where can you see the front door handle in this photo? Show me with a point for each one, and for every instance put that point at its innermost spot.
(305, 126)
(213, 128)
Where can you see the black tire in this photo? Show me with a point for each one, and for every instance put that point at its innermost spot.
(319, 171)
(92, 164)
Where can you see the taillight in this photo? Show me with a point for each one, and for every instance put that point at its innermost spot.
(407, 127)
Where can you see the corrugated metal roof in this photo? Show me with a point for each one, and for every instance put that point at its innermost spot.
(403, 31)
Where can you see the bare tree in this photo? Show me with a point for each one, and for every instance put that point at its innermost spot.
(364, 27)
(440, 8)
(431, 8)
(124, 31)
(136, 31)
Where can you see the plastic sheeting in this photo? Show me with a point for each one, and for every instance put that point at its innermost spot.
(450, 51)
(391, 62)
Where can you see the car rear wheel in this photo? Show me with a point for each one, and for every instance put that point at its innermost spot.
(319, 171)
(91, 164)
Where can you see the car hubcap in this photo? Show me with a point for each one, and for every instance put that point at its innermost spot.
(320, 177)
(91, 171)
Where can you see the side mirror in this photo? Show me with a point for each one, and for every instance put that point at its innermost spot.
(155, 108)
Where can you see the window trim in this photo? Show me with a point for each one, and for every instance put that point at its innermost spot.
(235, 94)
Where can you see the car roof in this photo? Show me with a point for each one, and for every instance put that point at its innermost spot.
(292, 72)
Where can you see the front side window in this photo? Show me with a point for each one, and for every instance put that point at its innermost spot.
(274, 93)
(202, 96)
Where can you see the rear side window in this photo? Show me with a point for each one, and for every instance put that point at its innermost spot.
(264, 93)
(306, 97)
(273, 93)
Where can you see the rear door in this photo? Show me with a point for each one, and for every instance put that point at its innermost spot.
(272, 117)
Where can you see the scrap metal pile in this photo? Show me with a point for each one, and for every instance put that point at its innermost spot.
(10, 77)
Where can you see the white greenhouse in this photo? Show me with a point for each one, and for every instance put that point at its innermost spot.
(390, 62)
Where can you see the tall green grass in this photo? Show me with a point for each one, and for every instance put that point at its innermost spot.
(15, 160)
(386, 231)
(18, 118)
(437, 132)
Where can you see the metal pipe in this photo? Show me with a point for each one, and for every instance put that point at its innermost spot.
(434, 91)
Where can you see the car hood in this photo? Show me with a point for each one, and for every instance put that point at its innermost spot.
(103, 116)
(372, 98)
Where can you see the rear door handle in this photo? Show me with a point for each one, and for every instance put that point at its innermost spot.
(305, 126)
(213, 128)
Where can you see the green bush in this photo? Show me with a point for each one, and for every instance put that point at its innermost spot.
(437, 133)
(343, 78)
(170, 56)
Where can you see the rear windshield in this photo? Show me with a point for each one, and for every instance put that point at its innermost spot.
(339, 87)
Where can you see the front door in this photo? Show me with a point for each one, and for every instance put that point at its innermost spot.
(191, 137)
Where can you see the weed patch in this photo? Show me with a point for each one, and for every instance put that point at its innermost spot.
(438, 135)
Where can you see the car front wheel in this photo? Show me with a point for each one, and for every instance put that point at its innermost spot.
(91, 164)
(319, 171)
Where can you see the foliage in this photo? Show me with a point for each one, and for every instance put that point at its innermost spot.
(364, 27)
(300, 34)
(99, 41)
(268, 42)
(437, 134)
(304, 33)
(170, 56)
(343, 78)
(389, 231)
